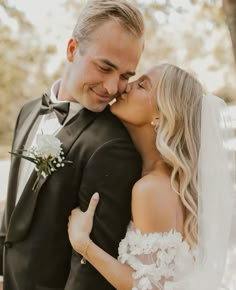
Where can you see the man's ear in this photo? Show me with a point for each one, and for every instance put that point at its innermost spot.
(72, 47)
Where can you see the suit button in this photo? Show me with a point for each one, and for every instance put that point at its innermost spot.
(8, 245)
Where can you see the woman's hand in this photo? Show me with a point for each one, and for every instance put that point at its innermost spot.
(80, 226)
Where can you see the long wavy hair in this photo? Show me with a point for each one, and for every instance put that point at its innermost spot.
(179, 99)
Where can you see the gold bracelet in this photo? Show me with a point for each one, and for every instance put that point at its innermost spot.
(83, 260)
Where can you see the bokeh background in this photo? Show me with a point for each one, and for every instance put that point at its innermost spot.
(198, 35)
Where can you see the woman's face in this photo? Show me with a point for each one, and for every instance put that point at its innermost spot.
(138, 106)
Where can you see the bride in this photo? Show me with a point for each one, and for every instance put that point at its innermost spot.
(182, 206)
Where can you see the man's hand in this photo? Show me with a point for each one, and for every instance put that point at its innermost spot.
(80, 226)
(1, 285)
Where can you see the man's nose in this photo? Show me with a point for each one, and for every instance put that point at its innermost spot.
(111, 85)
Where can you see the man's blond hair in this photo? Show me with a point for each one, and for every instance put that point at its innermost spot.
(97, 12)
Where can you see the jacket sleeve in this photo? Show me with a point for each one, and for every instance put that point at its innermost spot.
(112, 170)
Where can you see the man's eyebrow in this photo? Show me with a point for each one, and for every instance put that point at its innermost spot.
(106, 61)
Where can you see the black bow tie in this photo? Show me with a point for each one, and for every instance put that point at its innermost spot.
(60, 109)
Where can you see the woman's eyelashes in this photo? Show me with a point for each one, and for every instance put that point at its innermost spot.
(141, 85)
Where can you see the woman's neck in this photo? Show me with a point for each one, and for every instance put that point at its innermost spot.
(144, 139)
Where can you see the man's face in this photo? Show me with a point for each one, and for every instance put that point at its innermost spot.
(101, 72)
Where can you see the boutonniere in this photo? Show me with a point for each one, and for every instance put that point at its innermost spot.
(47, 155)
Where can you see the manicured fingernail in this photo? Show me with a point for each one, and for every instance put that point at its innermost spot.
(96, 195)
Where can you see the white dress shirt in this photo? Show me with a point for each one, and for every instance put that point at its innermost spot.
(45, 124)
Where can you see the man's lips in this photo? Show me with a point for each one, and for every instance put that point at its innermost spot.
(102, 96)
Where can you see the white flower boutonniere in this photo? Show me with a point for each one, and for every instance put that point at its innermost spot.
(47, 156)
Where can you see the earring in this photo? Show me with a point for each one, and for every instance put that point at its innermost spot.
(153, 124)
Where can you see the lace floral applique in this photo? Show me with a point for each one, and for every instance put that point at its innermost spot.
(157, 258)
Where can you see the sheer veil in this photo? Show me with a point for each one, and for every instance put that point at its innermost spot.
(216, 206)
(216, 252)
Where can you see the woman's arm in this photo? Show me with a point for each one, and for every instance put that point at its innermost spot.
(153, 208)
(79, 228)
(116, 273)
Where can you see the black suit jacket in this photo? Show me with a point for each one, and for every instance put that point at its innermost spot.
(37, 253)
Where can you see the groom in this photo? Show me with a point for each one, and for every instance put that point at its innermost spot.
(102, 55)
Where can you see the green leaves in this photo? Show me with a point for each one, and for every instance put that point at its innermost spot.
(31, 159)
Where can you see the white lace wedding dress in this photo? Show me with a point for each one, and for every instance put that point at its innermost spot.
(160, 260)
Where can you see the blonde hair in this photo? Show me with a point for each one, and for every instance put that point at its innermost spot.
(179, 99)
(96, 12)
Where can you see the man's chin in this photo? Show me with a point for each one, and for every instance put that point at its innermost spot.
(96, 108)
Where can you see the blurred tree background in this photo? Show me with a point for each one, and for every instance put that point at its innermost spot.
(22, 69)
(198, 35)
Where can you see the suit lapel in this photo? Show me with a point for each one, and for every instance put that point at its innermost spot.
(70, 133)
(22, 215)
(23, 132)
(19, 142)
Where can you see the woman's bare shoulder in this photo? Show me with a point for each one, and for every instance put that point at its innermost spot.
(154, 203)
(154, 185)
